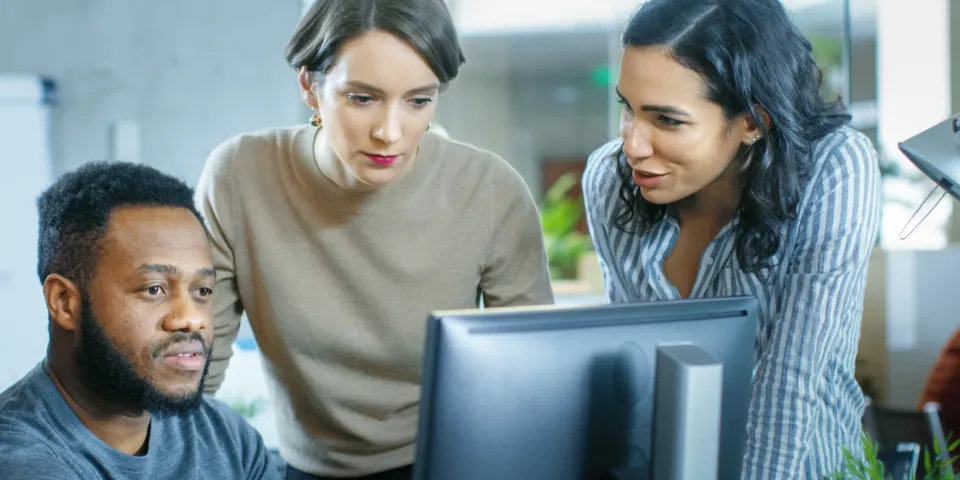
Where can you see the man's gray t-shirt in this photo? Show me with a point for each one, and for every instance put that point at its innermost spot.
(41, 438)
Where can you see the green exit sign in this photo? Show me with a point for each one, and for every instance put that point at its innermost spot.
(601, 76)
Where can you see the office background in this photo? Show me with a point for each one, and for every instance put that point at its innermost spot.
(162, 83)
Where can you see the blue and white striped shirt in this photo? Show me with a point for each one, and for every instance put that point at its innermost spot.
(806, 406)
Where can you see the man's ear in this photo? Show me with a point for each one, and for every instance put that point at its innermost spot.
(64, 301)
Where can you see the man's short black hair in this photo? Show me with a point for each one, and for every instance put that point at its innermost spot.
(75, 211)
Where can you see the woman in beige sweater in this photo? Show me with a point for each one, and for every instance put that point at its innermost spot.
(338, 237)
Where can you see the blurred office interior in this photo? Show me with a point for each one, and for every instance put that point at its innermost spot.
(162, 83)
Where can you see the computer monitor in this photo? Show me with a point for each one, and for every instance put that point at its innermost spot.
(651, 390)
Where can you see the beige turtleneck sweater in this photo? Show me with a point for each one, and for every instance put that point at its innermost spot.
(337, 284)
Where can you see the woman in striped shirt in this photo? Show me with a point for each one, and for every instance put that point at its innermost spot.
(732, 177)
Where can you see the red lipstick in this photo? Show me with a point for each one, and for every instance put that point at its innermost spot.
(382, 159)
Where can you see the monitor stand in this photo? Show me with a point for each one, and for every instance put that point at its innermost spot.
(686, 426)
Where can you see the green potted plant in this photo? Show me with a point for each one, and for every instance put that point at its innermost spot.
(559, 215)
(248, 409)
(870, 468)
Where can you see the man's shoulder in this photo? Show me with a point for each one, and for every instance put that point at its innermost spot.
(36, 429)
(28, 446)
(26, 454)
(27, 405)
(15, 433)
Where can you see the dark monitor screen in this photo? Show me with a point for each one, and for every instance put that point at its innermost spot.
(566, 393)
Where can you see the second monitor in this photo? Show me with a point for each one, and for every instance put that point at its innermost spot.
(652, 390)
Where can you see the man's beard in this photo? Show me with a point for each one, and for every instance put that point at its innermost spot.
(110, 375)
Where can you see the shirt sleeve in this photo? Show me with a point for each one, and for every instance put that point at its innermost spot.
(216, 202)
(25, 457)
(820, 309)
(515, 271)
(600, 193)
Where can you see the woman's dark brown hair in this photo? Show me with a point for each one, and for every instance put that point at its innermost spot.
(328, 24)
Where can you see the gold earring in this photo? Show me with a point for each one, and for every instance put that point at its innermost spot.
(753, 140)
(315, 121)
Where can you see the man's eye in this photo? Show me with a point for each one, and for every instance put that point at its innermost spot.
(154, 290)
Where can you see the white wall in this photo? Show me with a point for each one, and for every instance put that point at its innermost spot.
(525, 108)
(476, 110)
(911, 310)
(188, 73)
(922, 312)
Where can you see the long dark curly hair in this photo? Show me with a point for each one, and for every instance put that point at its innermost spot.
(750, 54)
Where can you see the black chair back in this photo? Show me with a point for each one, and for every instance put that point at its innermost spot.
(901, 462)
(892, 428)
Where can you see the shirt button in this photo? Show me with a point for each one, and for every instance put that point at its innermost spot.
(708, 260)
